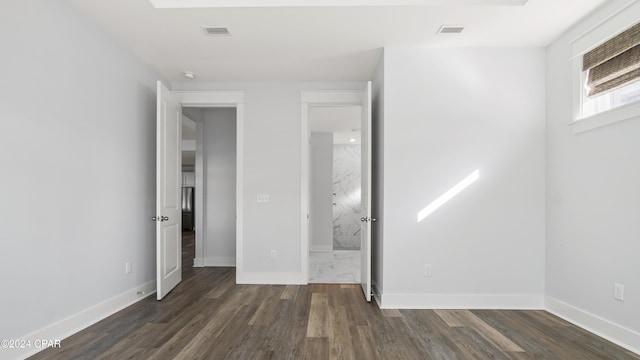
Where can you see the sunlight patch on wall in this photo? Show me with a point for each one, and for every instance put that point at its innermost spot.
(448, 195)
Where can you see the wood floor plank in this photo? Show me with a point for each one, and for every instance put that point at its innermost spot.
(433, 335)
(222, 286)
(208, 316)
(131, 345)
(318, 315)
(340, 342)
(289, 292)
(74, 347)
(316, 348)
(490, 333)
(175, 339)
(391, 313)
(268, 304)
(364, 347)
(476, 346)
(196, 348)
(452, 317)
(227, 341)
(355, 311)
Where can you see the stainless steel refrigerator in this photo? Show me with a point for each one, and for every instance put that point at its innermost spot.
(188, 218)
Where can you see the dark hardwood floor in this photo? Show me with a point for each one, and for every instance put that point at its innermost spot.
(208, 316)
(188, 253)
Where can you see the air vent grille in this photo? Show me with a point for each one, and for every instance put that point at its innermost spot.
(216, 30)
(450, 29)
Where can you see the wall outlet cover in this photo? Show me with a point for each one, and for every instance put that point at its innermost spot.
(618, 292)
(427, 270)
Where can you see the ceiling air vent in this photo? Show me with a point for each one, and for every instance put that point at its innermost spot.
(450, 29)
(216, 30)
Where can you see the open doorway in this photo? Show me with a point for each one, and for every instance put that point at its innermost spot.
(214, 172)
(335, 194)
(339, 98)
(170, 106)
(188, 194)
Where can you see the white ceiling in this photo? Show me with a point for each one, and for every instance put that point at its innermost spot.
(326, 43)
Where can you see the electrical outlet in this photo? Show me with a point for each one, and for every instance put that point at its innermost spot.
(127, 267)
(427, 270)
(618, 292)
(273, 255)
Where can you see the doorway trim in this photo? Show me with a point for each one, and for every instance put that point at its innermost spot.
(216, 99)
(308, 99)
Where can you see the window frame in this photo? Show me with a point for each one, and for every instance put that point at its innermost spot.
(610, 27)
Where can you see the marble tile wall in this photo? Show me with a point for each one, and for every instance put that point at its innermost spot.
(346, 187)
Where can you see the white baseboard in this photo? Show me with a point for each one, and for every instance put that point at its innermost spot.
(321, 248)
(79, 321)
(604, 328)
(215, 261)
(198, 262)
(446, 301)
(279, 278)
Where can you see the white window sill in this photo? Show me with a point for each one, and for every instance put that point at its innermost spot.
(626, 112)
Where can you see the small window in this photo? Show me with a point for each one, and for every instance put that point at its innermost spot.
(625, 95)
(611, 73)
(606, 71)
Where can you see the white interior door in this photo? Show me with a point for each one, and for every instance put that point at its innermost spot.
(168, 183)
(366, 219)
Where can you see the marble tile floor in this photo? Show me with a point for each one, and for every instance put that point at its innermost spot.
(334, 267)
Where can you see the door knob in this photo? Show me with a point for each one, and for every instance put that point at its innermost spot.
(373, 219)
(363, 219)
(164, 218)
(155, 218)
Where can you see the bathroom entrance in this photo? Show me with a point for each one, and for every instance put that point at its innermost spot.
(335, 194)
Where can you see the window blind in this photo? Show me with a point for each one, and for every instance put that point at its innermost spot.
(613, 64)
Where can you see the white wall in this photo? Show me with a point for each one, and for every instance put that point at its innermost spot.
(377, 178)
(321, 192)
(272, 145)
(593, 198)
(77, 148)
(220, 186)
(448, 112)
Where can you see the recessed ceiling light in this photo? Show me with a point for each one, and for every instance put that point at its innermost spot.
(450, 29)
(352, 140)
(189, 75)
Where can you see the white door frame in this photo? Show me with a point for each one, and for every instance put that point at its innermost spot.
(309, 99)
(229, 99)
